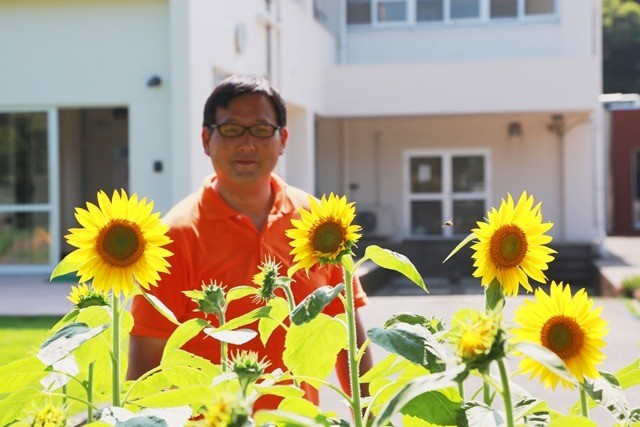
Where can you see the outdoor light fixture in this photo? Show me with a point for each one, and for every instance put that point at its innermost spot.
(154, 81)
(514, 129)
(557, 125)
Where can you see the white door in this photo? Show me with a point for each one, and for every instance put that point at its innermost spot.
(446, 191)
(28, 190)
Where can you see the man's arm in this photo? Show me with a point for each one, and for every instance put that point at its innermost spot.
(145, 354)
(366, 363)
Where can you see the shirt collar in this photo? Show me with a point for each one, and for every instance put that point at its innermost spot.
(214, 207)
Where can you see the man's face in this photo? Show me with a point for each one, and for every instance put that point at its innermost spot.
(245, 158)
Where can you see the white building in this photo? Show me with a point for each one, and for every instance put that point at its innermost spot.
(420, 111)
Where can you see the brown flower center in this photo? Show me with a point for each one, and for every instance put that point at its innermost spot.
(120, 243)
(562, 335)
(328, 237)
(508, 246)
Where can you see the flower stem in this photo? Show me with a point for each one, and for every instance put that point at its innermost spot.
(354, 374)
(90, 393)
(115, 357)
(223, 344)
(506, 392)
(584, 404)
(291, 302)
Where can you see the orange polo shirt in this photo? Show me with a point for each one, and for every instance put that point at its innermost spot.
(211, 241)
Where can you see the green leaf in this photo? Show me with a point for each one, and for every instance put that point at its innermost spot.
(184, 333)
(245, 319)
(314, 303)
(67, 339)
(159, 305)
(494, 296)
(187, 395)
(239, 292)
(414, 388)
(20, 373)
(300, 406)
(66, 266)
(440, 407)
(312, 349)
(185, 368)
(287, 391)
(394, 261)
(433, 325)
(413, 342)
(13, 406)
(629, 376)
(606, 392)
(478, 414)
(534, 412)
(547, 358)
(381, 369)
(279, 312)
(462, 244)
(572, 421)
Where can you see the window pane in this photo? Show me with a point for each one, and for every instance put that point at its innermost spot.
(429, 10)
(24, 238)
(426, 175)
(468, 174)
(540, 7)
(465, 215)
(426, 218)
(23, 158)
(358, 11)
(504, 8)
(465, 9)
(392, 11)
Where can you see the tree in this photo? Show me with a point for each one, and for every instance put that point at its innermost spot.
(621, 46)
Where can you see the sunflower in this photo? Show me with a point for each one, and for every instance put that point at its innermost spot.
(570, 327)
(119, 242)
(324, 234)
(511, 246)
(83, 296)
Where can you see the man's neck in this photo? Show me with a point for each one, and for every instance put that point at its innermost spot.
(251, 199)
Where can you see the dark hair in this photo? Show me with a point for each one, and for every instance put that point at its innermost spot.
(234, 86)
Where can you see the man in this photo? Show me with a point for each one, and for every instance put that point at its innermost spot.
(224, 230)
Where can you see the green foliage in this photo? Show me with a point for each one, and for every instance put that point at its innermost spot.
(630, 285)
(621, 46)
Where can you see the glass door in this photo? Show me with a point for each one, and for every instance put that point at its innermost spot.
(446, 192)
(28, 167)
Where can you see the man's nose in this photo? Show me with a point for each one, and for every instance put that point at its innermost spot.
(246, 142)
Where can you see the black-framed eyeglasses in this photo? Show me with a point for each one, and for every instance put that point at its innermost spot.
(232, 130)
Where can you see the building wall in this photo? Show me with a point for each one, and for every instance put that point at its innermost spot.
(572, 32)
(71, 53)
(374, 162)
(625, 142)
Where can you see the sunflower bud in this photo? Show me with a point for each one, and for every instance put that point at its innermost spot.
(268, 279)
(477, 337)
(247, 367)
(210, 300)
(50, 416)
(82, 296)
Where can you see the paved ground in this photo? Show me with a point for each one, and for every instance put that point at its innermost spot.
(34, 295)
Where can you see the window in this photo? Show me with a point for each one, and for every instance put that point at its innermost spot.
(445, 186)
(392, 10)
(358, 12)
(373, 12)
(464, 9)
(429, 10)
(504, 9)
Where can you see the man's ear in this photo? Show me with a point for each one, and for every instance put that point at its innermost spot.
(206, 137)
(284, 137)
